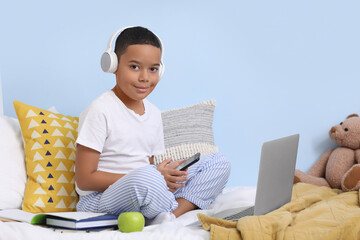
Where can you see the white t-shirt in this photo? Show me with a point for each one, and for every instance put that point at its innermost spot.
(124, 139)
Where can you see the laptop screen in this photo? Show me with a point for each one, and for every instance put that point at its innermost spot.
(276, 174)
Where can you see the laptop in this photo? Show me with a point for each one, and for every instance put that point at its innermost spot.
(275, 180)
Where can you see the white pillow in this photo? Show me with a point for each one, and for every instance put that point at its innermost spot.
(12, 164)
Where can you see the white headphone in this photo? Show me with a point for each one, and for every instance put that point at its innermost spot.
(109, 60)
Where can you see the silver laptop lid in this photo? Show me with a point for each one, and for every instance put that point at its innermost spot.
(276, 174)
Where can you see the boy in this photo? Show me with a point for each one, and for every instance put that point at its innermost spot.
(121, 131)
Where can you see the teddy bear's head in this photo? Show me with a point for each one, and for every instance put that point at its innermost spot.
(347, 133)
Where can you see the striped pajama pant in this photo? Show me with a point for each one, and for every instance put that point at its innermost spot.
(144, 190)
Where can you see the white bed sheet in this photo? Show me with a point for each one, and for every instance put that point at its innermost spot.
(231, 197)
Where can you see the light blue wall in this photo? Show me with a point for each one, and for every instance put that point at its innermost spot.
(274, 67)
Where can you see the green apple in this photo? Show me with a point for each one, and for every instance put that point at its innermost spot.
(131, 222)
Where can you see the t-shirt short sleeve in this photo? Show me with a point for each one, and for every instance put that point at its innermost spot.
(92, 128)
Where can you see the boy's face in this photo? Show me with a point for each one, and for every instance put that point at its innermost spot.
(138, 72)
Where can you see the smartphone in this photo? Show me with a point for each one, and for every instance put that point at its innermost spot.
(189, 162)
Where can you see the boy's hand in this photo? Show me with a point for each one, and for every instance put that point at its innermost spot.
(174, 178)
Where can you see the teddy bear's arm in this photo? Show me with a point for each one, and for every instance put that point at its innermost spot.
(357, 155)
(318, 169)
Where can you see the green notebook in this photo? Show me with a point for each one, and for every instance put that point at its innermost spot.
(40, 218)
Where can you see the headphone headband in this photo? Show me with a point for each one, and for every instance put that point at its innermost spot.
(114, 35)
(109, 60)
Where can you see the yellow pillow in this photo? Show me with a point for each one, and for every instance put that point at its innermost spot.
(50, 159)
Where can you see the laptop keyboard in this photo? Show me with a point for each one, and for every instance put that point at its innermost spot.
(246, 212)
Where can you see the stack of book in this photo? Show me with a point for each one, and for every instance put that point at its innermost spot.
(85, 221)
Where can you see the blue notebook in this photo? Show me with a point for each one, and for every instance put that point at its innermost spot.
(102, 221)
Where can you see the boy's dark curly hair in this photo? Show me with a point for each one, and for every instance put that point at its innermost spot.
(135, 35)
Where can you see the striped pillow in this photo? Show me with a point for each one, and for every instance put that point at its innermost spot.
(187, 131)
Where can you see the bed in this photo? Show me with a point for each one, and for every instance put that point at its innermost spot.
(237, 196)
(313, 213)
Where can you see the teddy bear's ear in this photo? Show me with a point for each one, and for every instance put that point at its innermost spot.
(352, 115)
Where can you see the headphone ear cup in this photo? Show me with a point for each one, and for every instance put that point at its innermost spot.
(109, 62)
(161, 69)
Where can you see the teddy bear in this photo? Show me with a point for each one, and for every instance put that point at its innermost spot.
(338, 167)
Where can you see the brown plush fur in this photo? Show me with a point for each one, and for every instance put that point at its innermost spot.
(338, 167)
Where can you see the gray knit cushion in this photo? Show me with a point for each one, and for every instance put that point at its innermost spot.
(187, 131)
